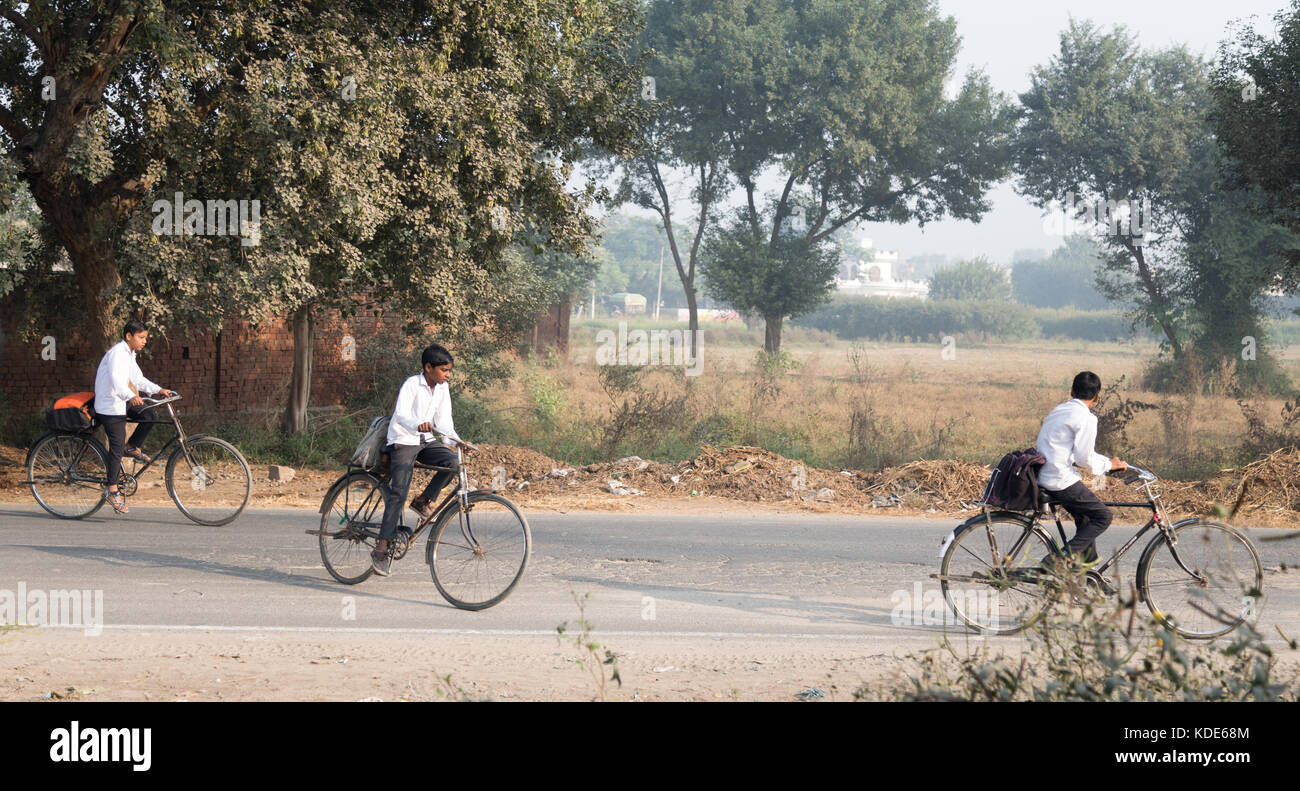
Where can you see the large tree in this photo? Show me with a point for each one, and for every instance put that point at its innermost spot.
(394, 150)
(1108, 130)
(1105, 124)
(1256, 83)
(841, 103)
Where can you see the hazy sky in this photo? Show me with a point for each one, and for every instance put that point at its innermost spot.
(1007, 39)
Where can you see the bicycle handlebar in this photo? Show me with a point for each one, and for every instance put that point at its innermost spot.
(160, 401)
(1131, 474)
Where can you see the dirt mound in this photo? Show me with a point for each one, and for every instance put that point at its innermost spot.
(1267, 487)
(518, 463)
(736, 473)
(947, 483)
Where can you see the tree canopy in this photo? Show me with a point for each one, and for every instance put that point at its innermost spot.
(842, 103)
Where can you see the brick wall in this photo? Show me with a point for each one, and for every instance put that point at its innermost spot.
(242, 367)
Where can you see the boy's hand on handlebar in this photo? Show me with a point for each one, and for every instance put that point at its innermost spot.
(425, 427)
(1118, 464)
(137, 401)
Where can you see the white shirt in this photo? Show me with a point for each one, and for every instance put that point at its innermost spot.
(1066, 439)
(117, 372)
(418, 403)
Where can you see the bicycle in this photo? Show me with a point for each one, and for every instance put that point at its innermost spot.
(1199, 577)
(207, 477)
(478, 546)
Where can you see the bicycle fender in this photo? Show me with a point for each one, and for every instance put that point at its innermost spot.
(947, 542)
(1160, 537)
(978, 520)
(341, 482)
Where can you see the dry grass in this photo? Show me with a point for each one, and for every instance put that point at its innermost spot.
(881, 405)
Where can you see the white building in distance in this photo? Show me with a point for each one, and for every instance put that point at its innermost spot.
(879, 277)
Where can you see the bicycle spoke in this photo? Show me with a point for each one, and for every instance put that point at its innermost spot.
(477, 572)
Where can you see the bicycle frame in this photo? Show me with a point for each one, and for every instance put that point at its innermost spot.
(461, 493)
(1158, 519)
(161, 453)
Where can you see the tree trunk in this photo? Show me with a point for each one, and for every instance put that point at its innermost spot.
(562, 326)
(295, 412)
(98, 281)
(692, 323)
(81, 231)
(772, 334)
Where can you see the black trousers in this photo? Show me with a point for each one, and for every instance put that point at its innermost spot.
(115, 428)
(401, 462)
(1091, 519)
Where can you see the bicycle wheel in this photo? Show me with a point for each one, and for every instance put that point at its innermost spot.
(68, 473)
(349, 527)
(1226, 591)
(995, 598)
(478, 565)
(213, 485)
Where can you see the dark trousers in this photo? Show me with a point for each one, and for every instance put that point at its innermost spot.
(1091, 519)
(401, 462)
(115, 428)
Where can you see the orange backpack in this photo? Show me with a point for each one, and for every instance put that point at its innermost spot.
(71, 413)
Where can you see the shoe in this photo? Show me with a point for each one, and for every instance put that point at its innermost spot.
(138, 455)
(381, 562)
(422, 507)
(116, 500)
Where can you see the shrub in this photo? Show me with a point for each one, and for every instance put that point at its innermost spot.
(875, 318)
(976, 279)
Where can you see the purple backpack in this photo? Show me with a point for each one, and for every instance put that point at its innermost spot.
(1013, 486)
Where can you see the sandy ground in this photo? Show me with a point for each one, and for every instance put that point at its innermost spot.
(63, 664)
(181, 665)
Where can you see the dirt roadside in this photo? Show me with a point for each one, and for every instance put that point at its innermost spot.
(746, 477)
(167, 666)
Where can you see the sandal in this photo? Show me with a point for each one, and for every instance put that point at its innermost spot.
(138, 455)
(116, 500)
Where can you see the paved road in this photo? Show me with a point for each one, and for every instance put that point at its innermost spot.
(769, 576)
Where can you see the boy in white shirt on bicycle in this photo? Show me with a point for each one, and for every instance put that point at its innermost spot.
(423, 408)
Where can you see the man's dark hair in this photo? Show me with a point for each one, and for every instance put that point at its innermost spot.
(133, 327)
(435, 355)
(1086, 385)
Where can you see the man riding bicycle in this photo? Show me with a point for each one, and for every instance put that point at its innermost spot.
(118, 384)
(423, 407)
(1067, 438)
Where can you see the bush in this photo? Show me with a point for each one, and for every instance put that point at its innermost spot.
(977, 279)
(1096, 652)
(875, 318)
(1088, 325)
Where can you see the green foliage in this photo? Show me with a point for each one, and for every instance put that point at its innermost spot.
(1107, 123)
(787, 276)
(1067, 278)
(1093, 651)
(977, 279)
(548, 399)
(397, 151)
(629, 249)
(327, 442)
(878, 318)
(843, 101)
(590, 657)
(1257, 115)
